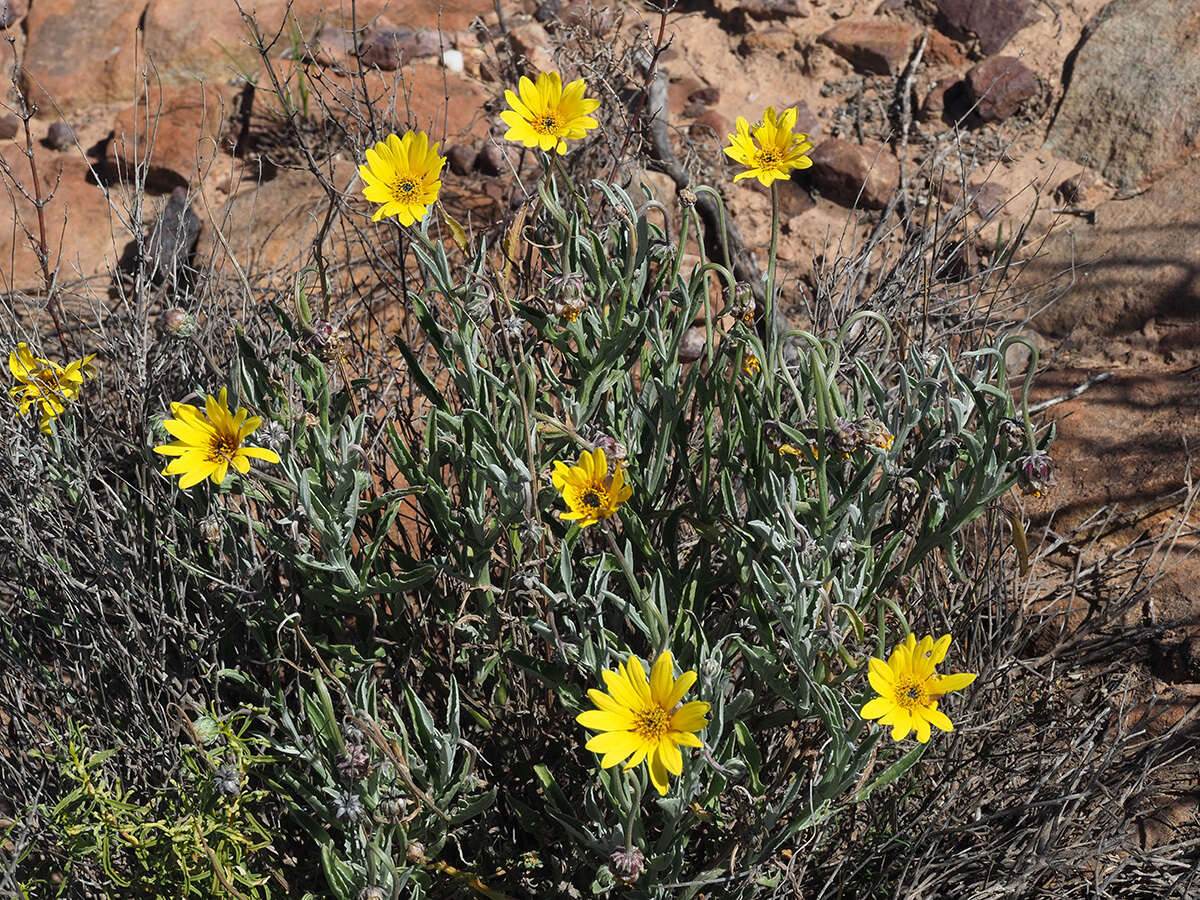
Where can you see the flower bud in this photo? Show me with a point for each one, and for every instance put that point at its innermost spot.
(415, 853)
(210, 529)
(687, 198)
(613, 449)
(1035, 474)
(177, 323)
(348, 806)
(845, 436)
(1012, 431)
(627, 863)
(355, 763)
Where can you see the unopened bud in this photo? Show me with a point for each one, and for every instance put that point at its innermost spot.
(177, 323)
(627, 863)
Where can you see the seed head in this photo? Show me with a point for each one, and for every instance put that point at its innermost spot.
(393, 806)
(348, 806)
(415, 853)
(210, 529)
(227, 781)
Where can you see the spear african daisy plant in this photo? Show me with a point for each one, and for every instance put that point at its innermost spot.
(403, 175)
(642, 720)
(210, 441)
(546, 115)
(44, 383)
(909, 688)
(770, 151)
(588, 489)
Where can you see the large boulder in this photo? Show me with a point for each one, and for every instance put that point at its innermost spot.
(1130, 109)
(80, 53)
(873, 46)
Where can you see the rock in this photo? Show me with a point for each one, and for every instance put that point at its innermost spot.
(78, 65)
(1140, 262)
(461, 158)
(707, 96)
(941, 97)
(1122, 112)
(387, 47)
(766, 10)
(991, 23)
(498, 159)
(941, 52)
(987, 199)
(332, 48)
(692, 344)
(12, 12)
(999, 85)
(533, 42)
(855, 175)
(708, 124)
(172, 239)
(10, 125)
(548, 11)
(1074, 191)
(771, 40)
(794, 198)
(60, 136)
(806, 121)
(173, 133)
(875, 46)
(80, 230)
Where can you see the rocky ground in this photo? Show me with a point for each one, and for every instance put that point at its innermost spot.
(1073, 120)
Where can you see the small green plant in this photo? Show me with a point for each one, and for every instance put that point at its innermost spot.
(199, 836)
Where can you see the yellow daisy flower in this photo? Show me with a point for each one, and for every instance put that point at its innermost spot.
(588, 489)
(643, 720)
(403, 173)
(210, 441)
(772, 151)
(909, 689)
(546, 112)
(42, 382)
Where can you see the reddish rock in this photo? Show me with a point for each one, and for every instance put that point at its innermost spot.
(9, 126)
(771, 40)
(708, 96)
(532, 41)
(991, 23)
(939, 103)
(941, 52)
(80, 231)
(498, 158)
(806, 120)
(461, 158)
(999, 85)
(12, 11)
(710, 123)
(855, 175)
(875, 46)
(80, 53)
(448, 105)
(173, 133)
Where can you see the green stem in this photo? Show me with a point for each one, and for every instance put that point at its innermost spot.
(769, 341)
(648, 609)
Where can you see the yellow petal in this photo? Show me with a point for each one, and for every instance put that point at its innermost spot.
(662, 679)
(605, 720)
(682, 684)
